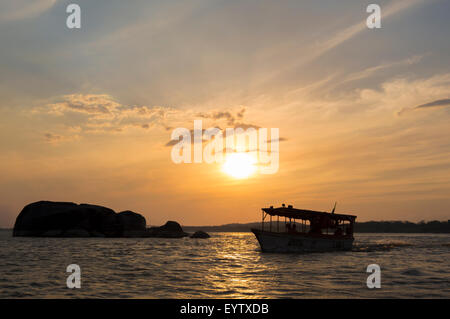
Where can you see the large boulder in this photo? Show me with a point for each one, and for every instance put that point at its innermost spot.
(133, 224)
(64, 219)
(200, 234)
(170, 229)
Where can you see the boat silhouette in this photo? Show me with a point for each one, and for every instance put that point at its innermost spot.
(304, 230)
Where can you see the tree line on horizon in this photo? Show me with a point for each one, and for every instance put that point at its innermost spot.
(433, 226)
(360, 227)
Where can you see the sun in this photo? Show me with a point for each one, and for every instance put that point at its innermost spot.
(239, 165)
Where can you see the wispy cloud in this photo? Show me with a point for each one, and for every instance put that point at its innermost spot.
(442, 102)
(11, 10)
(338, 38)
(383, 66)
(433, 104)
(353, 30)
(335, 80)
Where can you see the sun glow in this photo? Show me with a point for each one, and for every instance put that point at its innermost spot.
(239, 165)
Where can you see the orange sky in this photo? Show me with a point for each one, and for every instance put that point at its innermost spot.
(363, 114)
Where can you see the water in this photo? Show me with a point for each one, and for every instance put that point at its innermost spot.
(228, 265)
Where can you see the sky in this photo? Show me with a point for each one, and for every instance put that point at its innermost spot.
(86, 115)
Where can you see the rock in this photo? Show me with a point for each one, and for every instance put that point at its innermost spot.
(97, 234)
(131, 220)
(170, 229)
(171, 226)
(65, 219)
(76, 232)
(52, 233)
(200, 234)
(133, 224)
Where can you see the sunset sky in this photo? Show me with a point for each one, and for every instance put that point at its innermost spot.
(364, 114)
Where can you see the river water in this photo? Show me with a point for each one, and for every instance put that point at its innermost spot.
(228, 265)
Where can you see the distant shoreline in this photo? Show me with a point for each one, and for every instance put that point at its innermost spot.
(434, 227)
(431, 227)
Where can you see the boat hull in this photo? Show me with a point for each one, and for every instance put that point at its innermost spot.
(299, 243)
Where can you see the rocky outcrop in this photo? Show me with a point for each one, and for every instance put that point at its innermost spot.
(65, 219)
(169, 230)
(133, 224)
(200, 234)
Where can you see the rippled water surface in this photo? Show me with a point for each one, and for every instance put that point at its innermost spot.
(228, 265)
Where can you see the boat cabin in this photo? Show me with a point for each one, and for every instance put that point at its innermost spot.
(307, 222)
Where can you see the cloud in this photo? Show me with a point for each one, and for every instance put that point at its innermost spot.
(228, 116)
(103, 114)
(55, 139)
(12, 10)
(353, 30)
(397, 95)
(50, 137)
(99, 104)
(436, 103)
(171, 143)
(442, 102)
(174, 142)
(383, 66)
(281, 139)
(323, 46)
(100, 107)
(331, 84)
(231, 121)
(98, 113)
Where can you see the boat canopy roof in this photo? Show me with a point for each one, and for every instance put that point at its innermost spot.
(295, 213)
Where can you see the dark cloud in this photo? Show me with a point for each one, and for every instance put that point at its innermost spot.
(50, 137)
(56, 139)
(232, 121)
(171, 143)
(229, 117)
(437, 103)
(174, 142)
(223, 115)
(442, 102)
(240, 114)
(281, 139)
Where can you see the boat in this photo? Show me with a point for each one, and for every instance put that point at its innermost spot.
(304, 230)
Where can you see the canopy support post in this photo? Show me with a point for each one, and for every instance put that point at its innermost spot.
(278, 224)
